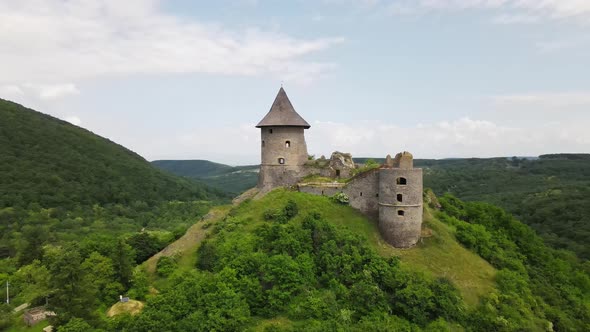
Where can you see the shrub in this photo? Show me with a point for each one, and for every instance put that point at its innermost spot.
(341, 198)
(165, 266)
(290, 210)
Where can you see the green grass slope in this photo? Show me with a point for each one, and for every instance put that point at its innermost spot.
(297, 262)
(50, 162)
(439, 256)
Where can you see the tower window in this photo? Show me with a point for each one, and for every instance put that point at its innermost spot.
(288, 144)
(400, 212)
(361, 194)
(399, 198)
(270, 131)
(262, 143)
(401, 181)
(281, 161)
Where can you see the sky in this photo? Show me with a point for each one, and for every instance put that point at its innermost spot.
(184, 79)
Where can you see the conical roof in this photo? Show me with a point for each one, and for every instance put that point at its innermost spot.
(283, 114)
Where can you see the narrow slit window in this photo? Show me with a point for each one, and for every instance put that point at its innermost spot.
(400, 212)
(361, 194)
(270, 131)
(288, 144)
(401, 181)
(282, 161)
(262, 143)
(400, 198)
(377, 195)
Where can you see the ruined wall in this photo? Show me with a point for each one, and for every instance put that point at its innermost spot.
(341, 165)
(323, 190)
(272, 176)
(400, 217)
(403, 160)
(363, 193)
(391, 194)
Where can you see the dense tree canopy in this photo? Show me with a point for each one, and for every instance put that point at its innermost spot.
(50, 162)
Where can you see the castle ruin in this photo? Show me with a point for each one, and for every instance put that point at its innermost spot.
(390, 193)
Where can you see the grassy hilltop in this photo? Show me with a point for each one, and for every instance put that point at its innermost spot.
(550, 193)
(297, 262)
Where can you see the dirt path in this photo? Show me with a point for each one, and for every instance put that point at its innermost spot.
(196, 233)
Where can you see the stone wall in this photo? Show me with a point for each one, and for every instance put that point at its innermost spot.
(320, 189)
(287, 143)
(400, 205)
(363, 192)
(391, 194)
(272, 176)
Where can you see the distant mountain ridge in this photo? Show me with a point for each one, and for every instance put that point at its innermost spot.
(231, 179)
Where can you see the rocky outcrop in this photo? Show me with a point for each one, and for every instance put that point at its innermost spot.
(341, 164)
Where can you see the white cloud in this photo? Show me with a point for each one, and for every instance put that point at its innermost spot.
(73, 120)
(555, 101)
(52, 41)
(10, 91)
(57, 91)
(464, 137)
(510, 11)
(515, 19)
(35, 93)
(569, 44)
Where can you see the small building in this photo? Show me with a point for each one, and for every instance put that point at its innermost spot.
(36, 315)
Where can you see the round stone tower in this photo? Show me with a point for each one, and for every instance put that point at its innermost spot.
(283, 147)
(400, 201)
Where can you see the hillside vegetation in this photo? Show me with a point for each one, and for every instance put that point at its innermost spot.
(55, 164)
(78, 213)
(296, 262)
(551, 194)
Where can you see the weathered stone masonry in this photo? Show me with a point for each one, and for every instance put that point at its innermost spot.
(391, 194)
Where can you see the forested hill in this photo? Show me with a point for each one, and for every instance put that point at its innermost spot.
(50, 162)
(75, 204)
(551, 193)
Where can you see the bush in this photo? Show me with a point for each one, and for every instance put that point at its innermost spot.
(290, 210)
(341, 198)
(165, 266)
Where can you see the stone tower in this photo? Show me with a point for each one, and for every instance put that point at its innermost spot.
(400, 201)
(284, 151)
